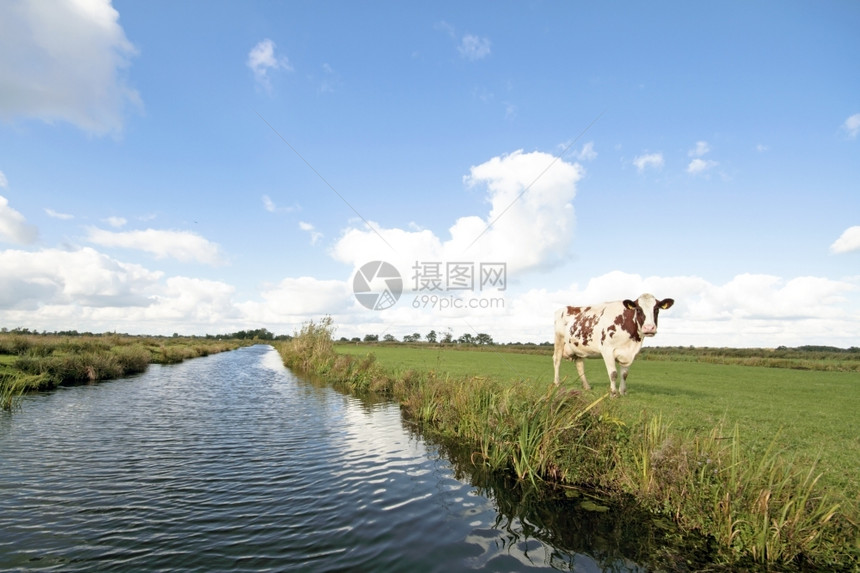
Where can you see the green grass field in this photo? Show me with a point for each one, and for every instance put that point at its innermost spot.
(810, 414)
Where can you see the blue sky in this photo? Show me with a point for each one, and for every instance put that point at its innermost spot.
(204, 167)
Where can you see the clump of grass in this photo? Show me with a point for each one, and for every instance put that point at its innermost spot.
(311, 348)
(132, 359)
(765, 508)
(13, 385)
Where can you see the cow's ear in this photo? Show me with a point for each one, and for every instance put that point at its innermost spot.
(666, 303)
(630, 304)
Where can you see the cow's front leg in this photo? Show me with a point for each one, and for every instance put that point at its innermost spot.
(613, 373)
(580, 369)
(557, 355)
(623, 388)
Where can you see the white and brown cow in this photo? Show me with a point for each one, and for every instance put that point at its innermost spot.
(614, 330)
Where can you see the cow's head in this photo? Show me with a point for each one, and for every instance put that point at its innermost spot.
(647, 308)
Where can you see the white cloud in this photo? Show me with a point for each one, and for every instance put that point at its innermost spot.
(474, 47)
(295, 300)
(184, 246)
(701, 149)
(747, 311)
(62, 60)
(268, 204)
(262, 60)
(3, 181)
(57, 215)
(698, 166)
(315, 235)
(848, 242)
(55, 289)
(80, 278)
(761, 148)
(852, 125)
(531, 220)
(14, 227)
(643, 162)
(587, 152)
(116, 222)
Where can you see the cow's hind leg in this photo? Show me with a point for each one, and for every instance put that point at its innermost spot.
(580, 369)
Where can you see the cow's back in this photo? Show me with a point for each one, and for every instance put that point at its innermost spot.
(586, 330)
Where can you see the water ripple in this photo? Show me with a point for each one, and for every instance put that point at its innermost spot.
(231, 463)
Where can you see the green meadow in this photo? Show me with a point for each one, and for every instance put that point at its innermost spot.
(811, 414)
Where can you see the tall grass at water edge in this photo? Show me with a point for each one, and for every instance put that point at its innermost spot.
(38, 362)
(759, 507)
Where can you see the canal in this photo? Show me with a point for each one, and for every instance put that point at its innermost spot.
(231, 462)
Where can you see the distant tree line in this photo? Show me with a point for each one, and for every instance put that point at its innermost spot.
(256, 334)
(482, 338)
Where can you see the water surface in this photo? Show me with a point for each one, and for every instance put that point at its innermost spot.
(230, 462)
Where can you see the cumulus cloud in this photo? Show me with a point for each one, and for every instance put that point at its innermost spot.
(529, 224)
(848, 242)
(54, 289)
(474, 48)
(262, 60)
(65, 61)
(82, 278)
(699, 165)
(851, 126)
(750, 310)
(183, 246)
(295, 300)
(14, 227)
(647, 160)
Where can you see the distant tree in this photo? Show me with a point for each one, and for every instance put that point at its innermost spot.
(355, 339)
(416, 337)
(431, 337)
(484, 338)
(388, 338)
(448, 338)
(371, 338)
(466, 339)
(343, 339)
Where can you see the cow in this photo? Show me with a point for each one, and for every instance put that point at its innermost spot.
(613, 330)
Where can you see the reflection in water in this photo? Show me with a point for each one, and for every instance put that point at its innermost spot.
(230, 462)
(566, 529)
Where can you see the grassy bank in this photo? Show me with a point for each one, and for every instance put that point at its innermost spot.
(811, 414)
(760, 504)
(37, 362)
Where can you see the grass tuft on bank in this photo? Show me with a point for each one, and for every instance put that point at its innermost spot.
(759, 506)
